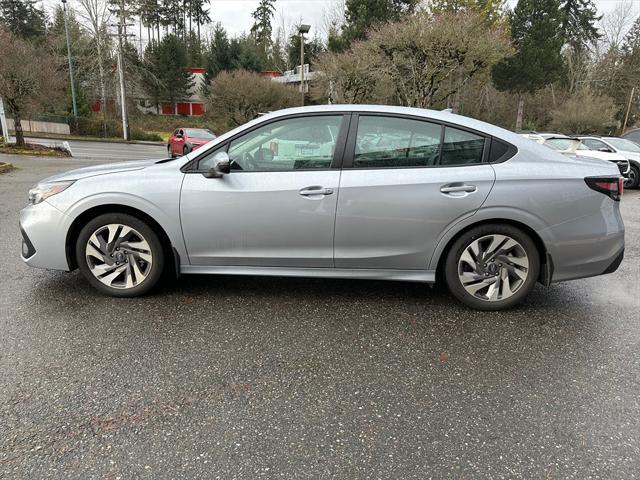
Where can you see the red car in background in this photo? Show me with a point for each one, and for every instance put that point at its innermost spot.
(185, 140)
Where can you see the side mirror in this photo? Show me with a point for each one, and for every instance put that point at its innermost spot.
(605, 150)
(221, 166)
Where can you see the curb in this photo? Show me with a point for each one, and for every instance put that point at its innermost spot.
(93, 139)
(5, 167)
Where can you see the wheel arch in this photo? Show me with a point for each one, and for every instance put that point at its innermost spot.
(546, 262)
(171, 255)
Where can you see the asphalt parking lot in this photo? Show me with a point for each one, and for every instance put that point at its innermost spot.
(240, 377)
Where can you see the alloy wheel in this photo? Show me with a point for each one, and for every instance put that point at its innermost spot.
(631, 180)
(493, 267)
(119, 256)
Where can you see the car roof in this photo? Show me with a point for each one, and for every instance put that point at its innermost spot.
(443, 116)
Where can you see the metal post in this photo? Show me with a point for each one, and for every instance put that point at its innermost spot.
(302, 30)
(302, 68)
(73, 85)
(3, 122)
(626, 117)
(123, 94)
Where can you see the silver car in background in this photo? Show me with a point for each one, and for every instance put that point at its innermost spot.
(342, 191)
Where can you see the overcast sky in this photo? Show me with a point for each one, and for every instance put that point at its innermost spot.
(235, 15)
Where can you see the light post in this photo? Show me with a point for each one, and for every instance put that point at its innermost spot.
(302, 30)
(73, 86)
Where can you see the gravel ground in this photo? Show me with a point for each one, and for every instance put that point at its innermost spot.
(240, 377)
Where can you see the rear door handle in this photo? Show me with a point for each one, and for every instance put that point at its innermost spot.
(458, 188)
(315, 190)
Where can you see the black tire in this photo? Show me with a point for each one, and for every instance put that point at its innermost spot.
(169, 151)
(157, 252)
(185, 150)
(455, 252)
(634, 179)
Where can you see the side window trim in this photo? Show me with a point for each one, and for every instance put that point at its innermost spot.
(353, 132)
(336, 161)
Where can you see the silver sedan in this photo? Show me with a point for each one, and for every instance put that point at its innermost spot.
(372, 192)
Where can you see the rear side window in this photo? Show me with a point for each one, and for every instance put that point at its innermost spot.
(396, 142)
(461, 148)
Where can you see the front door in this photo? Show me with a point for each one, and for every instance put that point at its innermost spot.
(405, 181)
(277, 206)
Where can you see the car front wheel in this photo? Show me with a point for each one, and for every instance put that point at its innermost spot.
(120, 255)
(492, 267)
(633, 179)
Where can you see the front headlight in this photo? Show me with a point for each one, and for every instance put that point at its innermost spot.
(42, 191)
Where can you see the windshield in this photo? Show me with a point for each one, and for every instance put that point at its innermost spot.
(622, 144)
(200, 133)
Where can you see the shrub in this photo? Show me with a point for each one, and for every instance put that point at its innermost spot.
(239, 96)
(585, 113)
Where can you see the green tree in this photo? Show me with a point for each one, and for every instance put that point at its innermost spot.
(217, 56)
(312, 48)
(23, 18)
(82, 54)
(537, 36)
(579, 19)
(245, 54)
(262, 28)
(361, 15)
(166, 75)
(492, 10)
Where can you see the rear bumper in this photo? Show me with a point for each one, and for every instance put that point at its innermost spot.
(44, 230)
(587, 246)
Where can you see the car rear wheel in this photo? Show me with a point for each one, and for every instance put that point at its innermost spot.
(185, 150)
(120, 255)
(633, 179)
(492, 267)
(169, 151)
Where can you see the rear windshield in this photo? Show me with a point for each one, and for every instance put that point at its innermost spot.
(198, 133)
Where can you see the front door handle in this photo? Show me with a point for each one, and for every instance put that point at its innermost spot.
(315, 190)
(458, 188)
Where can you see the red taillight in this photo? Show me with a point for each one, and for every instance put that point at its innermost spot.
(610, 186)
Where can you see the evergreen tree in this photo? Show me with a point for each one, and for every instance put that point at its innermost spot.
(579, 18)
(262, 28)
(492, 10)
(243, 54)
(166, 75)
(312, 48)
(361, 15)
(218, 56)
(536, 34)
(23, 18)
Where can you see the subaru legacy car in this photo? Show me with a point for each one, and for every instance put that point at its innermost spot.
(368, 192)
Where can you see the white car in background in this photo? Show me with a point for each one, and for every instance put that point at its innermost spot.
(575, 147)
(621, 146)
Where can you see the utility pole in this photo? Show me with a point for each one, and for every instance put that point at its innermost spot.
(626, 117)
(73, 85)
(302, 30)
(3, 122)
(122, 33)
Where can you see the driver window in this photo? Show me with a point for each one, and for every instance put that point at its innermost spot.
(285, 145)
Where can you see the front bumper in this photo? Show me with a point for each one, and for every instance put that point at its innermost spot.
(44, 230)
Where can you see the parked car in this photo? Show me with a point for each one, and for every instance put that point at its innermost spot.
(186, 140)
(621, 146)
(632, 135)
(574, 146)
(339, 191)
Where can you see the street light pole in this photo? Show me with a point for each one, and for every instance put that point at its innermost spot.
(73, 85)
(303, 29)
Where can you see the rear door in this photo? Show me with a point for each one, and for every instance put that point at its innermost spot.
(404, 181)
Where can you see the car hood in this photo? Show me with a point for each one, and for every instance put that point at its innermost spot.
(92, 171)
(611, 157)
(630, 155)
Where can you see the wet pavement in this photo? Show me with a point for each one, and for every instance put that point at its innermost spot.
(243, 377)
